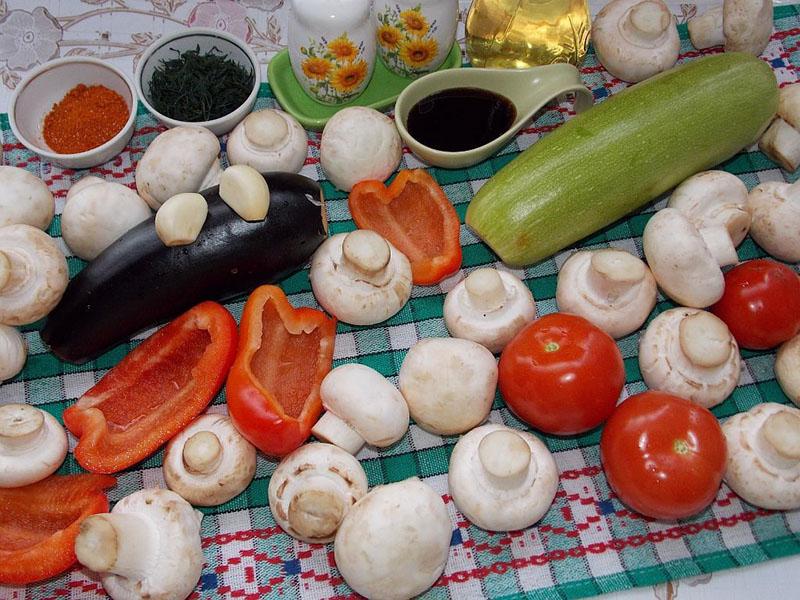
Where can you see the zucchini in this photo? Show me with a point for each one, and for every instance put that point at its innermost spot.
(622, 153)
(138, 282)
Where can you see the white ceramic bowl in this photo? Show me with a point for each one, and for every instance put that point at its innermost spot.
(45, 86)
(189, 39)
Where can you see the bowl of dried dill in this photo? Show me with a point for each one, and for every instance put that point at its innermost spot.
(198, 76)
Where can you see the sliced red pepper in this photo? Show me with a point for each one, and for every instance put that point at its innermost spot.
(155, 392)
(39, 523)
(414, 214)
(273, 387)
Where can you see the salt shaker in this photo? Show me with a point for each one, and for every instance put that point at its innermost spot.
(331, 47)
(415, 37)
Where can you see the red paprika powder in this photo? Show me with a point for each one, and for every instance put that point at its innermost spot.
(87, 117)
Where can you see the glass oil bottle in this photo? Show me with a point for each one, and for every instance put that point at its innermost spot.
(527, 33)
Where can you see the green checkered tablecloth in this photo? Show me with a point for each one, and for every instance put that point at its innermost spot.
(588, 542)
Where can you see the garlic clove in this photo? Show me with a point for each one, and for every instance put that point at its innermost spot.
(180, 219)
(245, 191)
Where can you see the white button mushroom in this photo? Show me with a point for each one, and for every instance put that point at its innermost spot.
(362, 406)
(359, 143)
(686, 261)
(502, 479)
(360, 278)
(268, 140)
(24, 198)
(394, 543)
(692, 354)
(449, 384)
(13, 352)
(182, 159)
(742, 25)
(775, 209)
(489, 307)
(245, 190)
(764, 456)
(209, 462)
(98, 212)
(781, 140)
(635, 39)
(33, 274)
(33, 445)
(148, 546)
(714, 199)
(181, 218)
(610, 288)
(787, 369)
(312, 490)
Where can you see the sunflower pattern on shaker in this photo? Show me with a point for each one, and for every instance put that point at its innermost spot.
(336, 68)
(407, 40)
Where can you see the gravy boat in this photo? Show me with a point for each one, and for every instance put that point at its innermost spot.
(528, 89)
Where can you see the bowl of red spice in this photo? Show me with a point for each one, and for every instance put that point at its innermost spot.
(77, 112)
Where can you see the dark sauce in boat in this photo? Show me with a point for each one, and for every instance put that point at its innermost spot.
(458, 119)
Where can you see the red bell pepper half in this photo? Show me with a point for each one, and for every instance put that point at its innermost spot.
(273, 387)
(414, 214)
(155, 391)
(39, 523)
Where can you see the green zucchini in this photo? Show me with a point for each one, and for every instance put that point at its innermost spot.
(622, 153)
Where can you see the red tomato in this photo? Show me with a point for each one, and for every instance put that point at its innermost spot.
(663, 455)
(561, 374)
(761, 304)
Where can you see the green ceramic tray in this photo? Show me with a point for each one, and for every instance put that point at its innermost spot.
(382, 91)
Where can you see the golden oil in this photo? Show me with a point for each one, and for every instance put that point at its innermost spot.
(527, 33)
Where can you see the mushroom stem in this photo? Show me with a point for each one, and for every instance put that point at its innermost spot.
(202, 453)
(332, 429)
(5, 270)
(124, 544)
(706, 30)
(613, 272)
(779, 438)
(704, 339)
(647, 21)
(266, 128)
(485, 289)
(367, 254)
(719, 243)
(505, 458)
(317, 512)
(21, 428)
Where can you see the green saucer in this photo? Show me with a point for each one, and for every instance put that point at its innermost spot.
(382, 91)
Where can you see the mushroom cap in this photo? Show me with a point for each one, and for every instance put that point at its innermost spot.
(755, 470)
(181, 159)
(13, 352)
(475, 490)
(98, 212)
(493, 327)
(787, 369)
(33, 445)
(229, 470)
(635, 39)
(680, 260)
(449, 384)
(789, 104)
(668, 363)
(177, 566)
(312, 490)
(24, 198)
(747, 25)
(619, 310)
(367, 402)
(38, 274)
(359, 143)
(775, 208)
(712, 198)
(268, 140)
(394, 543)
(351, 296)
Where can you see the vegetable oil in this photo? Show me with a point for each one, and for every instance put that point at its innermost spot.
(527, 33)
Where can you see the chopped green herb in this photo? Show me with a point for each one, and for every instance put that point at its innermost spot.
(199, 87)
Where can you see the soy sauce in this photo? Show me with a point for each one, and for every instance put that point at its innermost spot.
(458, 119)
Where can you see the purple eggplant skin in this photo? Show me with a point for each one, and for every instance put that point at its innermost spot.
(138, 282)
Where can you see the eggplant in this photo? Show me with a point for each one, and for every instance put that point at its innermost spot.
(138, 282)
